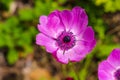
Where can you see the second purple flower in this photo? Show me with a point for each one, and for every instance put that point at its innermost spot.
(109, 69)
(66, 34)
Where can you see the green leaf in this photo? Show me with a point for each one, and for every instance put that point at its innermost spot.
(109, 5)
(26, 14)
(100, 28)
(105, 49)
(12, 56)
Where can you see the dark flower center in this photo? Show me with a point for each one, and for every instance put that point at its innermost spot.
(117, 75)
(66, 40)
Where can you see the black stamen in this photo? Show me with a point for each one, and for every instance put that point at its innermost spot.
(66, 39)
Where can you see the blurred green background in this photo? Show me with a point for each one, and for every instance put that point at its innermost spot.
(18, 29)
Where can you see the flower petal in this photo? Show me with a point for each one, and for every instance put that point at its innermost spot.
(61, 56)
(67, 19)
(79, 51)
(74, 55)
(85, 47)
(43, 19)
(88, 34)
(107, 67)
(49, 43)
(114, 58)
(51, 25)
(70, 55)
(102, 75)
(80, 20)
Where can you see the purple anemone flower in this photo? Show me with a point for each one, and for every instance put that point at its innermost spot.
(66, 34)
(110, 69)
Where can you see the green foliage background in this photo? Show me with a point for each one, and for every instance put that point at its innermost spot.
(18, 31)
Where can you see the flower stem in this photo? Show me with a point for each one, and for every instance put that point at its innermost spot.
(75, 71)
(64, 70)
